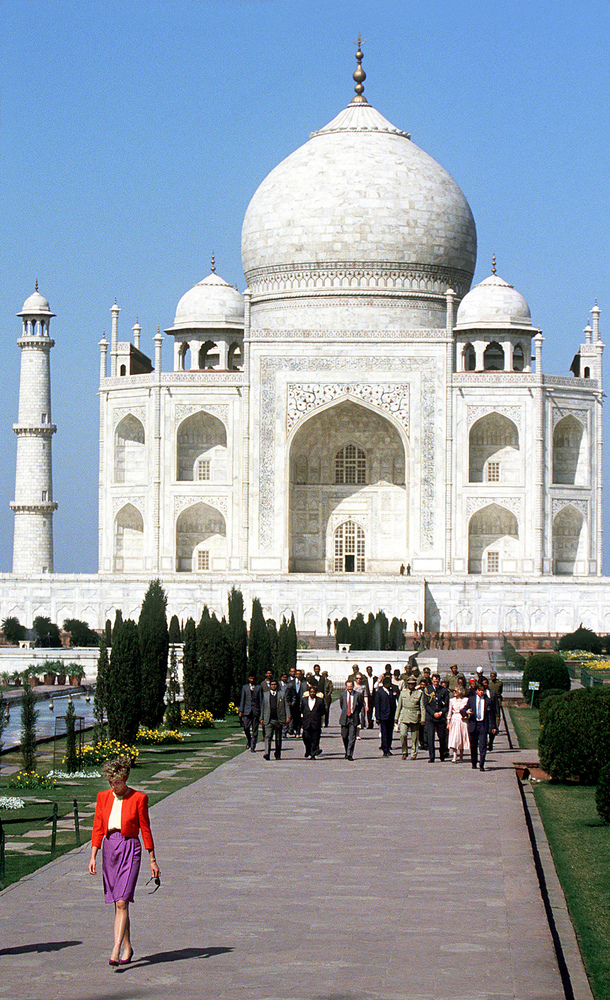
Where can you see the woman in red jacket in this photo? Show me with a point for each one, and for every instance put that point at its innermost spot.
(120, 814)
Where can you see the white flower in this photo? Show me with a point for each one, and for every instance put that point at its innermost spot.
(11, 802)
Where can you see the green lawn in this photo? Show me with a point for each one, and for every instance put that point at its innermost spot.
(201, 752)
(580, 844)
(527, 726)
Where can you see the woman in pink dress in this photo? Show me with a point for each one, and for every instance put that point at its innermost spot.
(457, 726)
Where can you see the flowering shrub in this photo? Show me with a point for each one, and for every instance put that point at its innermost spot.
(232, 709)
(199, 720)
(158, 737)
(30, 779)
(106, 750)
(577, 654)
(10, 802)
(75, 774)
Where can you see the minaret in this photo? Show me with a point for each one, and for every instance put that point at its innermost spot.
(33, 504)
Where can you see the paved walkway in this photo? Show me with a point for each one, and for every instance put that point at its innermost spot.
(296, 880)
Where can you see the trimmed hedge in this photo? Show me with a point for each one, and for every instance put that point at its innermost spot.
(582, 638)
(575, 740)
(546, 700)
(550, 670)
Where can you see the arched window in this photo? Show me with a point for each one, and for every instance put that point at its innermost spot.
(128, 540)
(235, 357)
(470, 358)
(201, 438)
(493, 535)
(208, 355)
(568, 451)
(349, 548)
(184, 355)
(200, 537)
(567, 530)
(350, 466)
(493, 359)
(518, 359)
(494, 450)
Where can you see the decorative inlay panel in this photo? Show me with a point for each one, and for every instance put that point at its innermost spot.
(392, 398)
(581, 505)
(136, 411)
(220, 503)
(392, 333)
(119, 502)
(510, 503)
(512, 412)
(216, 410)
(559, 412)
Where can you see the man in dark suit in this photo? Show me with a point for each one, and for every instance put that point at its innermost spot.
(386, 697)
(480, 715)
(312, 718)
(265, 686)
(250, 711)
(350, 702)
(274, 718)
(324, 687)
(436, 702)
(295, 692)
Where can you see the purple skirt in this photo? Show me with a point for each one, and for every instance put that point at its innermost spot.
(120, 866)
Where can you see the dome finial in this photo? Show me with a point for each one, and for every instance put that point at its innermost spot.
(359, 75)
(493, 264)
(213, 266)
(36, 288)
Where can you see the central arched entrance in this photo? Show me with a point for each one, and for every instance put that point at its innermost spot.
(347, 492)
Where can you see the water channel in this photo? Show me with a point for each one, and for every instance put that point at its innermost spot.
(50, 712)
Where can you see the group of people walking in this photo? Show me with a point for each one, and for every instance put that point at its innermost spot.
(456, 714)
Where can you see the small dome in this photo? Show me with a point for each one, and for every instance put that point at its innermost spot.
(211, 303)
(493, 304)
(35, 303)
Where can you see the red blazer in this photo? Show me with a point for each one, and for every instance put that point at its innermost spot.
(134, 817)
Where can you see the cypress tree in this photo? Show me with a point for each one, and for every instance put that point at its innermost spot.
(357, 632)
(124, 705)
(342, 635)
(118, 621)
(29, 716)
(382, 630)
(273, 640)
(395, 634)
(100, 695)
(173, 714)
(202, 680)
(282, 657)
(154, 645)
(175, 635)
(292, 642)
(71, 758)
(371, 641)
(189, 665)
(259, 647)
(214, 653)
(238, 637)
(108, 630)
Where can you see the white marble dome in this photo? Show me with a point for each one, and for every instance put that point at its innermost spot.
(493, 304)
(210, 303)
(360, 193)
(35, 303)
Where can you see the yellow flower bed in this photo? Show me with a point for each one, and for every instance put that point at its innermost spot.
(106, 750)
(199, 720)
(30, 779)
(158, 737)
(232, 709)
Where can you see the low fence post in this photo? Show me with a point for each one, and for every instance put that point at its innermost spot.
(76, 825)
(54, 831)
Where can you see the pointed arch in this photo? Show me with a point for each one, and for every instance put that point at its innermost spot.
(200, 539)
(201, 438)
(494, 450)
(128, 540)
(493, 357)
(493, 536)
(569, 452)
(129, 451)
(568, 540)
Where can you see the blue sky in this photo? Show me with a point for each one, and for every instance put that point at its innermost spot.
(134, 133)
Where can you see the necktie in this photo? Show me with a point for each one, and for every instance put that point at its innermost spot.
(349, 704)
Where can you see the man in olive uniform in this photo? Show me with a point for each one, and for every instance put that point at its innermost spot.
(452, 678)
(410, 714)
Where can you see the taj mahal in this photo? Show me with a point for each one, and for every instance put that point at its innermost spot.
(359, 429)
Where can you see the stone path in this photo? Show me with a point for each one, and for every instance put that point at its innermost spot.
(296, 880)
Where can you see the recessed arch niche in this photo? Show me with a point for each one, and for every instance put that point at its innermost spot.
(494, 454)
(129, 451)
(201, 438)
(568, 540)
(201, 542)
(128, 540)
(493, 536)
(569, 452)
(347, 461)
